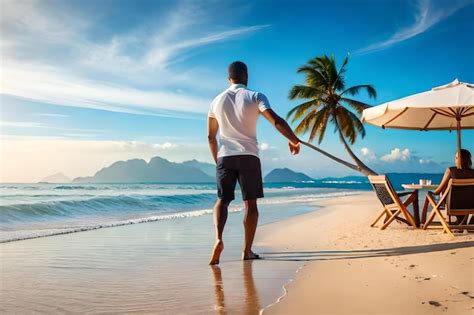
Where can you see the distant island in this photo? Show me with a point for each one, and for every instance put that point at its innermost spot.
(160, 170)
(157, 170)
(56, 178)
(164, 171)
(285, 175)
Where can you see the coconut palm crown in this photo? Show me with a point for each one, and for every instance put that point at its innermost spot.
(328, 101)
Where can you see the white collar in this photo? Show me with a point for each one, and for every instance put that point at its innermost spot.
(236, 86)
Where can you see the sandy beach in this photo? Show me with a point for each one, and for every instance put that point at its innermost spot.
(320, 257)
(354, 269)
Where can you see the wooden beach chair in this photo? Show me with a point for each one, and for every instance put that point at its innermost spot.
(457, 200)
(393, 206)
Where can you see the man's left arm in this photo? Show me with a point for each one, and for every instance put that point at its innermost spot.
(212, 127)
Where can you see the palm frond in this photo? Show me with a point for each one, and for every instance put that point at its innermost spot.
(298, 111)
(320, 125)
(345, 125)
(332, 71)
(326, 103)
(304, 91)
(350, 124)
(357, 123)
(313, 76)
(358, 106)
(321, 64)
(340, 82)
(354, 90)
(306, 123)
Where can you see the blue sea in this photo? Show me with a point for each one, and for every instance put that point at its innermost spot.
(38, 210)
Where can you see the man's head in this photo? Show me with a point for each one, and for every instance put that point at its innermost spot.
(238, 73)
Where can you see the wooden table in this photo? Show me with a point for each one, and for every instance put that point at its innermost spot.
(425, 204)
(419, 187)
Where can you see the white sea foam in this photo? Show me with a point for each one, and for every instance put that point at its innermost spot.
(46, 214)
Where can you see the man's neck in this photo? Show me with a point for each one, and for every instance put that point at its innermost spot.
(235, 86)
(238, 83)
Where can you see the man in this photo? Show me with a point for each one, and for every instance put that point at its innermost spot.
(234, 113)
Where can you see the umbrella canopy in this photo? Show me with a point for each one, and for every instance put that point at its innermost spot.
(446, 107)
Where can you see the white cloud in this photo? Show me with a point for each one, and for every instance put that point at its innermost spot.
(425, 161)
(49, 55)
(264, 146)
(427, 15)
(34, 125)
(51, 115)
(166, 145)
(22, 124)
(404, 161)
(161, 54)
(368, 154)
(397, 155)
(46, 85)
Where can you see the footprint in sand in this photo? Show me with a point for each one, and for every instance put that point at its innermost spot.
(466, 293)
(434, 303)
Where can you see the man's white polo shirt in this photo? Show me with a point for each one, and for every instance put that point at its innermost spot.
(236, 111)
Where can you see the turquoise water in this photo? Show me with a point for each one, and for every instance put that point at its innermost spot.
(37, 210)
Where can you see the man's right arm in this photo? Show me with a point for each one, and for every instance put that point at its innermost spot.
(212, 127)
(282, 126)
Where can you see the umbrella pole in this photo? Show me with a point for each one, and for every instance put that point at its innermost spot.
(459, 141)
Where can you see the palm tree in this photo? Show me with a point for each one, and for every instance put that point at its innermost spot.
(327, 102)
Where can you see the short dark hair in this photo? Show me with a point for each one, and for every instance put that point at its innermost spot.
(237, 71)
(466, 162)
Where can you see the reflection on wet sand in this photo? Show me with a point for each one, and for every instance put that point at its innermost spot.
(218, 289)
(251, 303)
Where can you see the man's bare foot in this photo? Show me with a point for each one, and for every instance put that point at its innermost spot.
(216, 252)
(249, 256)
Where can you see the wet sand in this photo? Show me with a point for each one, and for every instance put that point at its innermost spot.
(157, 267)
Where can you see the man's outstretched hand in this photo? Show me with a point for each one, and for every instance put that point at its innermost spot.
(294, 148)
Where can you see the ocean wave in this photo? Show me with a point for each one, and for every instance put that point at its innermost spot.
(309, 198)
(73, 187)
(83, 212)
(10, 236)
(343, 182)
(101, 205)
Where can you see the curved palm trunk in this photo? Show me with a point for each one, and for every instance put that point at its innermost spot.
(335, 158)
(361, 167)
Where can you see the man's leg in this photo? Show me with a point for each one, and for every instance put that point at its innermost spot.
(250, 224)
(220, 218)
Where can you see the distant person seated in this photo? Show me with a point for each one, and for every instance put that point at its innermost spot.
(462, 170)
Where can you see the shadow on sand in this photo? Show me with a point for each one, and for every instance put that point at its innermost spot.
(357, 254)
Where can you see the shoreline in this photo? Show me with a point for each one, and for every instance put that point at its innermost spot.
(424, 272)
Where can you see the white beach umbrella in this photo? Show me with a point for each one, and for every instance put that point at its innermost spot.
(446, 107)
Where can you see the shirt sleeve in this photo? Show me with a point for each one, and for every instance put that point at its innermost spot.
(262, 101)
(210, 113)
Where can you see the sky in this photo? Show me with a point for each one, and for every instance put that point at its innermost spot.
(87, 83)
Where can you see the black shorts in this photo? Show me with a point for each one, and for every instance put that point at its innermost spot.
(243, 168)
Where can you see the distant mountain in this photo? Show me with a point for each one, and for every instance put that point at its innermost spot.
(285, 175)
(207, 168)
(56, 178)
(139, 171)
